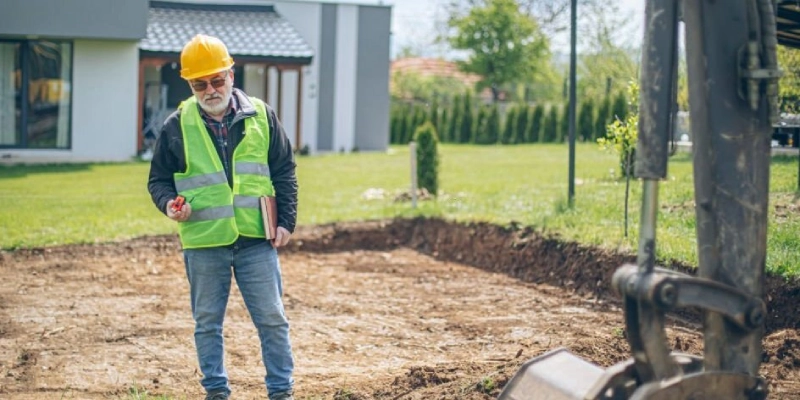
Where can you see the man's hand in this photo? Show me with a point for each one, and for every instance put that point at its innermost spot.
(180, 215)
(282, 236)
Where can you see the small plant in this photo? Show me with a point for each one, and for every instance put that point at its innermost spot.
(427, 158)
(618, 332)
(622, 134)
(486, 385)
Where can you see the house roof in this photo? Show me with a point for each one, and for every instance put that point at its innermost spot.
(255, 33)
(432, 67)
(788, 19)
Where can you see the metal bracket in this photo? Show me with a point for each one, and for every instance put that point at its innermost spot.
(667, 290)
(752, 74)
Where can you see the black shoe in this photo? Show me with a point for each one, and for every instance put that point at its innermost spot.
(287, 395)
(217, 396)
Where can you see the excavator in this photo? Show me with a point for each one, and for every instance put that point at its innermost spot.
(733, 74)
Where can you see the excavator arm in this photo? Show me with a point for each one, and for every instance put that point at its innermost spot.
(733, 89)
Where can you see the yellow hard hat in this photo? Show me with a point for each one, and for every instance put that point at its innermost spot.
(204, 55)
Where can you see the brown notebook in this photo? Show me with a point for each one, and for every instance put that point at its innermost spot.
(269, 213)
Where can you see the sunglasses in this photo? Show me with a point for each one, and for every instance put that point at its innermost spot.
(201, 86)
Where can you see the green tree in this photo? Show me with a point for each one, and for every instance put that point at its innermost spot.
(789, 89)
(427, 158)
(504, 45)
(444, 125)
(509, 127)
(620, 107)
(550, 128)
(622, 134)
(534, 132)
(586, 121)
(602, 118)
(479, 131)
(433, 114)
(609, 62)
(454, 128)
(465, 127)
(493, 125)
(563, 122)
(523, 123)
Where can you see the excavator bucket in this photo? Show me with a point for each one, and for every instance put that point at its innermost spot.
(556, 375)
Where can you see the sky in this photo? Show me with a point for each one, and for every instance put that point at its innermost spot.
(413, 22)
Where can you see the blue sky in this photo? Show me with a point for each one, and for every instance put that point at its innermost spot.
(413, 21)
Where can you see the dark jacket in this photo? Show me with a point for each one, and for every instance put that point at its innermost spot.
(169, 158)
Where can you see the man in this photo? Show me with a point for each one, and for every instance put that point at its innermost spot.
(222, 151)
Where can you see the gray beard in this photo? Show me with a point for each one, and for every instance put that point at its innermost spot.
(219, 108)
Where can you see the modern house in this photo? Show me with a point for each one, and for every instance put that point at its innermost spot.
(92, 80)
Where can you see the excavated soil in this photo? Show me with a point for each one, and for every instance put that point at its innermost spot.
(407, 309)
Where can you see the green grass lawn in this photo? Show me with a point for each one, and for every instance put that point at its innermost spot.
(49, 205)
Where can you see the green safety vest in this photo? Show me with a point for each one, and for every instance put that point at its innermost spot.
(219, 214)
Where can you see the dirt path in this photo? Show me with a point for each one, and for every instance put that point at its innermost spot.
(89, 322)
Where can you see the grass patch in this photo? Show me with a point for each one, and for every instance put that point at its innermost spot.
(526, 184)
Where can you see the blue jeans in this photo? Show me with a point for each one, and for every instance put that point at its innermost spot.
(258, 275)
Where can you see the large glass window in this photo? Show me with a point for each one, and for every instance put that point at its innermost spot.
(35, 94)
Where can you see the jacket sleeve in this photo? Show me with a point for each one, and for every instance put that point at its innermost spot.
(165, 163)
(282, 170)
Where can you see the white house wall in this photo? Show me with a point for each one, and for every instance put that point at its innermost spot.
(104, 110)
(305, 18)
(344, 113)
(105, 87)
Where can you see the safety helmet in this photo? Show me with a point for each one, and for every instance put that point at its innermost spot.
(204, 55)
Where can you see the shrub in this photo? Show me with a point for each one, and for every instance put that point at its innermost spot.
(550, 132)
(427, 158)
(586, 121)
(509, 127)
(621, 135)
(603, 118)
(563, 122)
(534, 133)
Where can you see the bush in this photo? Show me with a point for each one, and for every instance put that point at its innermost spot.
(586, 121)
(550, 132)
(621, 135)
(427, 158)
(522, 123)
(603, 118)
(563, 122)
(534, 132)
(509, 127)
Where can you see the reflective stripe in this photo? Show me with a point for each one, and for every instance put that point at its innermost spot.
(201, 181)
(252, 168)
(240, 201)
(212, 213)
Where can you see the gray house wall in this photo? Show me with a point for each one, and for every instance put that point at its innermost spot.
(327, 67)
(74, 19)
(372, 84)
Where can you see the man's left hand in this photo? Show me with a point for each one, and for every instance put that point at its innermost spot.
(282, 236)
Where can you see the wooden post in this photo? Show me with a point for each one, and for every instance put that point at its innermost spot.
(140, 110)
(280, 94)
(298, 137)
(266, 84)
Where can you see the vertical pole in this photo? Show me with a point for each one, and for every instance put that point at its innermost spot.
(572, 98)
(140, 110)
(412, 149)
(280, 93)
(298, 137)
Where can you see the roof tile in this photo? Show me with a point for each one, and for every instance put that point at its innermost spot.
(247, 31)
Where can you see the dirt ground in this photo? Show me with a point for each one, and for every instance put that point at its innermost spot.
(420, 309)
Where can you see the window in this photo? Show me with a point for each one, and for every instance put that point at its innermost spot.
(35, 94)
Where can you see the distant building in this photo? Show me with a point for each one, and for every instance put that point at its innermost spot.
(92, 80)
(438, 67)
